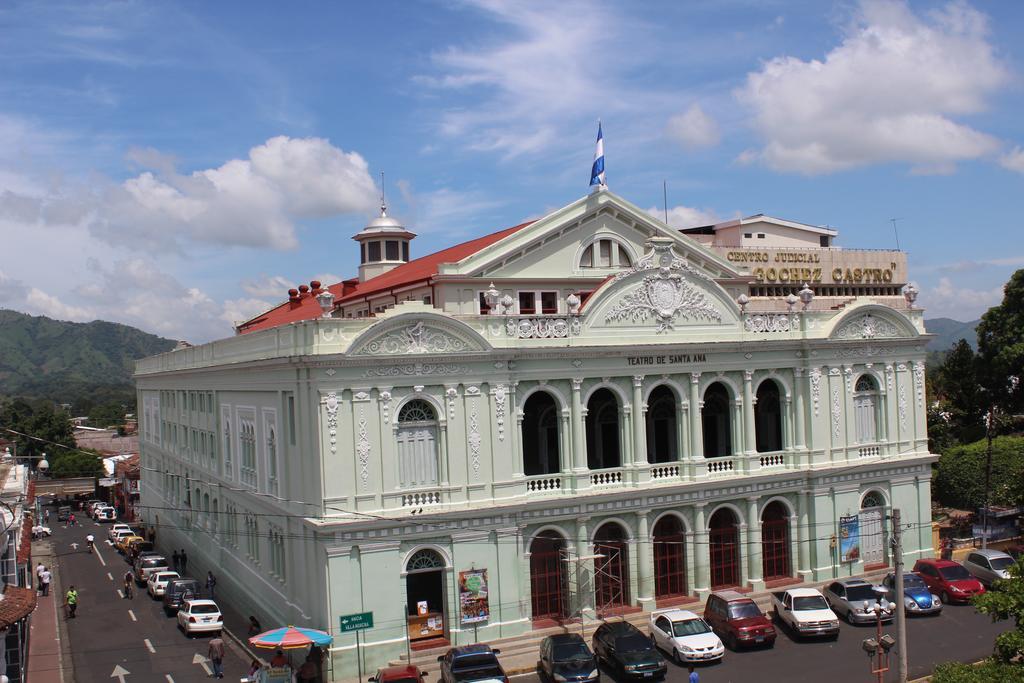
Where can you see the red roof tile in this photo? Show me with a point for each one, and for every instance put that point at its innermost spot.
(418, 270)
(25, 542)
(17, 603)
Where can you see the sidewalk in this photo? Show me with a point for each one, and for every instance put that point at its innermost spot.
(48, 658)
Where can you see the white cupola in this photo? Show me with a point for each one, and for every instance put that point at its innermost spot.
(383, 245)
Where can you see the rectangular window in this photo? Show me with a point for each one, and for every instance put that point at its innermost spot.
(362, 252)
(484, 308)
(374, 251)
(405, 251)
(748, 235)
(605, 255)
(760, 235)
(391, 250)
(427, 300)
(549, 303)
(587, 260)
(823, 240)
(527, 303)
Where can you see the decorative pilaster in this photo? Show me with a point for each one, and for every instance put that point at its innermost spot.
(645, 561)
(702, 581)
(639, 422)
(584, 568)
(800, 430)
(696, 434)
(754, 560)
(579, 442)
(749, 435)
(803, 527)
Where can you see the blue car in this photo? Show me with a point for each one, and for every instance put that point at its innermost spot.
(917, 599)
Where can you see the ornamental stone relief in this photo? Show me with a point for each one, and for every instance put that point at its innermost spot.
(816, 389)
(363, 450)
(919, 383)
(474, 441)
(416, 338)
(665, 294)
(867, 326)
(901, 404)
(500, 394)
(771, 322)
(413, 369)
(451, 393)
(331, 404)
(836, 414)
(543, 328)
(384, 397)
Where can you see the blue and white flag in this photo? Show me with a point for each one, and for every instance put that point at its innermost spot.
(597, 171)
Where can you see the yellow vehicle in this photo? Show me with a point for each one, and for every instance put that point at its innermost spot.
(124, 542)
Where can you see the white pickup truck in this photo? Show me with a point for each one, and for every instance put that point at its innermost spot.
(805, 612)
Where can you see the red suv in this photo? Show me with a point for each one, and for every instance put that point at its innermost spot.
(949, 580)
(738, 621)
(398, 674)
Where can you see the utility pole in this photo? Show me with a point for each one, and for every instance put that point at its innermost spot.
(901, 609)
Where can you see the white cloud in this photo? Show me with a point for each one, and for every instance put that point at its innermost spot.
(946, 300)
(273, 286)
(1013, 160)
(253, 202)
(452, 211)
(686, 216)
(42, 303)
(887, 93)
(694, 128)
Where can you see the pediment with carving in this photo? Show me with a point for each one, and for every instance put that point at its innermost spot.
(872, 324)
(418, 335)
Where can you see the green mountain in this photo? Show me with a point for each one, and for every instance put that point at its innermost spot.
(948, 332)
(78, 363)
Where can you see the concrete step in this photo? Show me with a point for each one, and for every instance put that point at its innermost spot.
(519, 653)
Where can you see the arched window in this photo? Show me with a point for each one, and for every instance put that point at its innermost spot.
(662, 430)
(417, 444)
(540, 435)
(549, 580)
(768, 417)
(669, 558)
(873, 536)
(603, 431)
(775, 559)
(605, 253)
(716, 422)
(724, 548)
(424, 560)
(272, 460)
(872, 499)
(865, 409)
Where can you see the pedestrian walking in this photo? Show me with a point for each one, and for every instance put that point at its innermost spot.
(46, 515)
(211, 584)
(694, 676)
(176, 558)
(39, 574)
(44, 580)
(216, 654)
(254, 626)
(72, 520)
(184, 561)
(71, 602)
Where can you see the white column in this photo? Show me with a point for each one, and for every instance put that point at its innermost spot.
(579, 441)
(640, 455)
(749, 434)
(696, 433)
(753, 547)
(645, 561)
(799, 389)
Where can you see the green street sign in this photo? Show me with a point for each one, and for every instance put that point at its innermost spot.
(356, 622)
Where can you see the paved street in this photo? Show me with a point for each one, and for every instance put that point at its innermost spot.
(111, 632)
(959, 633)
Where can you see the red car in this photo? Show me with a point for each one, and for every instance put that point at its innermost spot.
(949, 580)
(398, 674)
(738, 621)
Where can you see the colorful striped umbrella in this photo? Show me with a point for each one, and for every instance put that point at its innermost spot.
(291, 638)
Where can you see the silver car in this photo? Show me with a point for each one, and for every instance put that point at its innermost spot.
(855, 600)
(988, 565)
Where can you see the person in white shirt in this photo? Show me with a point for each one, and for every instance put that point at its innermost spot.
(39, 575)
(44, 579)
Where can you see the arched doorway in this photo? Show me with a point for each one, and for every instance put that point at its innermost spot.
(611, 571)
(549, 594)
(603, 431)
(775, 559)
(872, 530)
(425, 595)
(724, 546)
(662, 433)
(669, 558)
(417, 444)
(540, 435)
(768, 417)
(716, 423)
(865, 410)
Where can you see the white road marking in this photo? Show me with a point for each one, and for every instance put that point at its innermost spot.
(102, 561)
(132, 615)
(120, 594)
(109, 576)
(202, 661)
(169, 679)
(149, 646)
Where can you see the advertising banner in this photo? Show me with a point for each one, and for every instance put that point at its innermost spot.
(849, 538)
(473, 596)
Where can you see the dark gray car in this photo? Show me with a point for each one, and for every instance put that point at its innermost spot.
(179, 590)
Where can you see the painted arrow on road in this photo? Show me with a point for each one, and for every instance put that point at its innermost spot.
(199, 659)
(74, 546)
(119, 673)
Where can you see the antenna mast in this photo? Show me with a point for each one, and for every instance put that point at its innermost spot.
(895, 231)
(383, 204)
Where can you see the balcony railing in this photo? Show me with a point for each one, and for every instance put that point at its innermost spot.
(543, 483)
(606, 478)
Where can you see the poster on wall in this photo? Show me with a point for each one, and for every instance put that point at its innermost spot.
(849, 538)
(473, 596)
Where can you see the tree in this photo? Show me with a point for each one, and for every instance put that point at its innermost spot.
(1001, 346)
(959, 395)
(38, 419)
(77, 464)
(960, 473)
(987, 672)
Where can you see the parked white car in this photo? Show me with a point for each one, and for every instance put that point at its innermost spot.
(200, 616)
(107, 514)
(118, 527)
(157, 582)
(40, 531)
(685, 635)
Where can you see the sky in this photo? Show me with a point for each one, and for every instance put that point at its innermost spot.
(177, 166)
